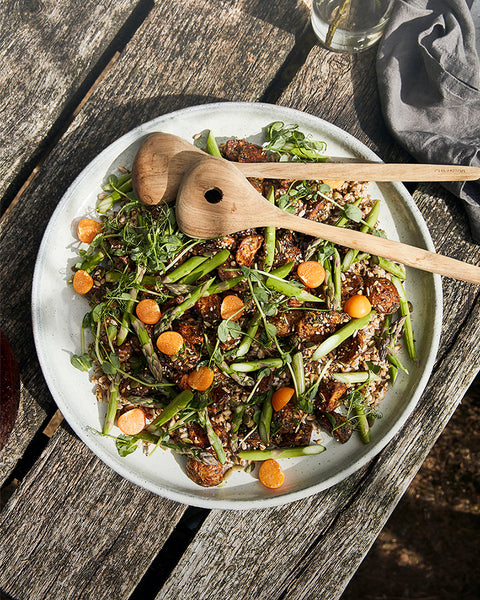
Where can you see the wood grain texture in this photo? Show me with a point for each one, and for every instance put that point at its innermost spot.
(342, 89)
(177, 58)
(85, 532)
(322, 549)
(242, 207)
(73, 545)
(319, 542)
(185, 53)
(47, 50)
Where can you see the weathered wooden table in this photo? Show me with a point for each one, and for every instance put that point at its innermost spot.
(75, 76)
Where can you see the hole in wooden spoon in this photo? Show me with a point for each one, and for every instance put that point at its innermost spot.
(214, 195)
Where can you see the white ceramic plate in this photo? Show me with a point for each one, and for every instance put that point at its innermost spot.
(56, 324)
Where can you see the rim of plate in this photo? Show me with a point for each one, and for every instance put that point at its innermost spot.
(115, 148)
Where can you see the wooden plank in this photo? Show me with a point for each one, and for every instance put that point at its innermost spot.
(450, 233)
(321, 549)
(75, 529)
(292, 16)
(341, 88)
(47, 51)
(230, 56)
(319, 542)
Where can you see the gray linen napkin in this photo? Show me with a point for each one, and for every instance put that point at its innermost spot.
(429, 83)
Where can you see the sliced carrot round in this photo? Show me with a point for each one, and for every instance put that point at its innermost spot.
(170, 342)
(334, 183)
(200, 379)
(311, 273)
(271, 474)
(148, 311)
(232, 307)
(282, 397)
(82, 282)
(88, 229)
(132, 422)
(357, 306)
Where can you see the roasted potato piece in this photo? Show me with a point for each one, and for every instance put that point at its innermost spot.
(352, 347)
(315, 327)
(337, 425)
(330, 396)
(287, 251)
(191, 332)
(382, 294)
(197, 435)
(292, 429)
(285, 322)
(208, 307)
(202, 474)
(243, 151)
(247, 249)
(351, 285)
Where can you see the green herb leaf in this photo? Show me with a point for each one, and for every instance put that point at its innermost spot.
(126, 444)
(82, 362)
(227, 329)
(108, 368)
(353, 213)
(289, 140)
(373, 367)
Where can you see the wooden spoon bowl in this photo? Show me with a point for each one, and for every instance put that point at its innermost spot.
(215, 199)
(163, 159)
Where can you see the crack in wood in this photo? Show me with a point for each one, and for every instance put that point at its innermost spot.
(166, 560)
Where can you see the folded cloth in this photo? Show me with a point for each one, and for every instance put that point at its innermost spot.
(428, 74)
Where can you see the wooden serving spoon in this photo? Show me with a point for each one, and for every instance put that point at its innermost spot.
(163, 159)
(215, 199)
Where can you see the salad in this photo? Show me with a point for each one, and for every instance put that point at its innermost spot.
(245, 349)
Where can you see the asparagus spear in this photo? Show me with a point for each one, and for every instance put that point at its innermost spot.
(177, 311)
(245, 344)
(212, 146)
(112, 407)
(340, 336)
(370, 223)
(390, 267)
(123, 331)
(206, 267)
(213, 437)
(184, 269)
(282, 271)
(407, 326)
(174, 407)
(362, 423)
(355, 377)
(337, 281)
(223, 286)
(281, 453)
(147, 348)
(270, 234)
(298, 374)
(91, 261)
(266, 419)
(122, 189)
(287, 289)
(256, 365)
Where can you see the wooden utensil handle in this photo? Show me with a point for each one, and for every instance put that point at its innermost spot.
(377, 246)
(360, 171)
